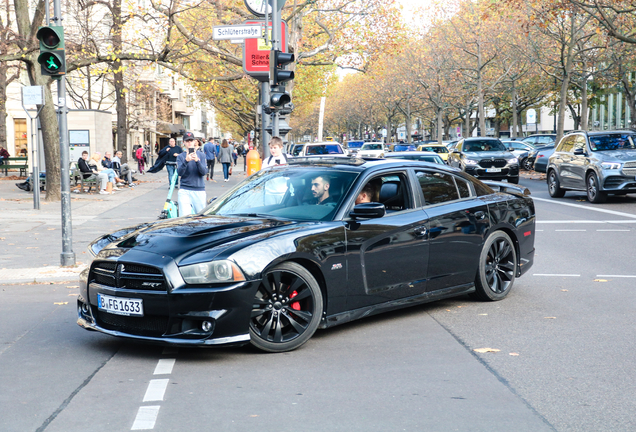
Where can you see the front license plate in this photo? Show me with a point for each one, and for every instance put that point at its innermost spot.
(120, 305)
(493, 170)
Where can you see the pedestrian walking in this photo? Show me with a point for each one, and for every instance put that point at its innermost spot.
(225, 157)
(210, 154)
(192, 168)
(139, 155)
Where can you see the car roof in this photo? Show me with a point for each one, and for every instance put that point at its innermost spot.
(621, 131)
(412, 153)
(481, 139)
(433, 144)
(363, 164)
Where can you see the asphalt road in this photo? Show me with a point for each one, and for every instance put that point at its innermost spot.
(565, 360)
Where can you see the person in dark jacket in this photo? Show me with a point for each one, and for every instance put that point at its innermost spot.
(168, 157)
(192, 168)
(210, 154)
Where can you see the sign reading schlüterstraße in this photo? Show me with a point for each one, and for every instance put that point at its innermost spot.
(237, 32)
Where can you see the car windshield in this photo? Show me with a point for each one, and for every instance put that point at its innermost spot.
(436, 149)
(372, 147)
(355, 144)
(291, 192)
(622, 141)
(323, 149)
(399, 148)
(483, 146)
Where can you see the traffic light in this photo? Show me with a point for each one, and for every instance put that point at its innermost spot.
(277, 61)
(52, 56)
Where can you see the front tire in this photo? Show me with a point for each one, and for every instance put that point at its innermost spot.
(594, 194)
(497, 268)
(554, 185)
(287, 309)
(527, 164)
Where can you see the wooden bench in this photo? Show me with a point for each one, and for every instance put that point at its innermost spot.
(78, 177)
(19, 163)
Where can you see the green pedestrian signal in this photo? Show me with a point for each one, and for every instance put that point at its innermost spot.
(52, 57)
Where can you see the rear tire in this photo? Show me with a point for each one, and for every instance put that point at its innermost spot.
(527, 164)
(497, 268)
(594, 195)
(554, 185)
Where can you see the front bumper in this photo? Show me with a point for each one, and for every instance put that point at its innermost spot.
(619, 183)
(173, 313)
(482, 173)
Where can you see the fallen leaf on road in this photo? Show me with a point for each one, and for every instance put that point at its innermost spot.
(72, 286)
(483, 314)
(60, 303)
(513, 354)
(33, 247)
(486, 350)
(600, 280)
(564, 290)
(549, 317)
(51, 229)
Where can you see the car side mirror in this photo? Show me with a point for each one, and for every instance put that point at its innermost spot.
(368, 211)
(511, 149)
(579, 151)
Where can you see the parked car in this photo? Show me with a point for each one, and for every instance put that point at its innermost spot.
(249, 269)
(599, 163)
(521, 150)
(485, 158)
(352, 147)
(532, 156)
(422, 156)
(440, 149)
(314, 149)
(401, 147)
(539, 139)
(542, 155)
(372, 150)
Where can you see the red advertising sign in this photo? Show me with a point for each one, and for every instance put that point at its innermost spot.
(256, 53)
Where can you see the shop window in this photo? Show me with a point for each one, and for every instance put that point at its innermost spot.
(20, 138)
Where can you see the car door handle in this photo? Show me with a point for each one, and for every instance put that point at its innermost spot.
(479, 215)
(420, 231)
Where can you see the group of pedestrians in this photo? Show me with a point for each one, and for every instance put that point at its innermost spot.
(107, 169)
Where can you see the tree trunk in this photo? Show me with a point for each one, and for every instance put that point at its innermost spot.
(120, 88)
(584, 105)
(3, 103)
(515, 117)
(440, 125)
(480, 101)
(407, 123)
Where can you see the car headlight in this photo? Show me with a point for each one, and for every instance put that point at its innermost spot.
(513, 161)
(470, 162)
(212, 272)
(611, 165)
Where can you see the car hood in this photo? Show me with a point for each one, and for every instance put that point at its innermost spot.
(489, 154)
(618, 155)
(176, 237)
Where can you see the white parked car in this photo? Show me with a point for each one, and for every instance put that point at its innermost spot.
(372, 150)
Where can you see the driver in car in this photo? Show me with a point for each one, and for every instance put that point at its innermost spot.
(320, 191)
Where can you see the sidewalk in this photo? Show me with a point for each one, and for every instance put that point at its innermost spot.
(31, 240)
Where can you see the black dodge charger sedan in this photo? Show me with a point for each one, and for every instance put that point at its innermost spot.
(316, 243)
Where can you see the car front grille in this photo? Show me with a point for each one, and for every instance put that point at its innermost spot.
(629, 168)
(149, 325)
(613, 182)
(129, 276)
(492, 163)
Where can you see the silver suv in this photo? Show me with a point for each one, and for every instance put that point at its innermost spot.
(599, 163)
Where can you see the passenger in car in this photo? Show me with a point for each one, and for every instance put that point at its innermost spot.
(369, 193)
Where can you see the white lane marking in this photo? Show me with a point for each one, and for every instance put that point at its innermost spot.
(156, 389)
(585, 221)
(539, 230)
(146, 418)
(617, 276)
(566, 230)
(586, 207)
(559, 275)
(164, 366)
(601, 230)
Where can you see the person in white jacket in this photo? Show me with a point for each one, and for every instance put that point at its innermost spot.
(276, 151)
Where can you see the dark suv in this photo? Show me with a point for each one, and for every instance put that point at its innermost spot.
(485, 158)
(599, 163)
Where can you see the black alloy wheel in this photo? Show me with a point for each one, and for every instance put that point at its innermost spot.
(287, 309)
(554, 186)
(527, 164)
(594, 195)
(497, 267)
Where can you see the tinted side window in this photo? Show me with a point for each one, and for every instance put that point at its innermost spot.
(544, 140)
(462, 186)
(437, 187)
(566, 144)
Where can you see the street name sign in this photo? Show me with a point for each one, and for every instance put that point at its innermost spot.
(33, 95)
(237, 32)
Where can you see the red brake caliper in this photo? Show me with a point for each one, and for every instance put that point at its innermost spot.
(294, 305)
